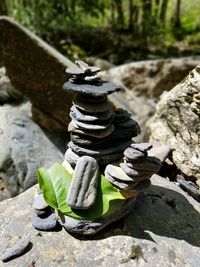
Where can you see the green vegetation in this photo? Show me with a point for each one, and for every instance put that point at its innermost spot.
(117, 30)
(55, 182)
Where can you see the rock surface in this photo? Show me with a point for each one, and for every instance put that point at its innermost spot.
(39, 74)
(161, 231)
(151, 78)
(176, 123)
(24, 148)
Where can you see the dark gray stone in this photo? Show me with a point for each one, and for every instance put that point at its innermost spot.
(122, 185)
(76, 114)
(99, 151)
(83, 188)
(44, 223)
(103, 106)
(133, 155)
(16, 250)
(129, 123)
(132, 172)
(143, 147)
(97, 89)
(71, 157)
(72, 127)
(86, 227)
(148, 164)
(121, 115)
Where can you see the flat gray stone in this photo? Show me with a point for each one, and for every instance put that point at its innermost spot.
(120, 184)
(91, 127)
(99, 151)
(161, 152)
(76, 114)
(121, 115)
(71, 157)
(86, 227)
(118, 173)
(16, 250)
(103, 106)
(129, 123)
(39, 203)
(132, 172)
(100, 88)
(148, 164)
(44, 223)
(133, 155)
(83, 188)
(72, 127)
(143, 147)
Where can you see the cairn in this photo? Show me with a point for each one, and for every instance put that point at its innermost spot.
(97, 129)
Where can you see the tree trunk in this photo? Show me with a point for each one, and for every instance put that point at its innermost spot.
(163, 11)
(3, 8)
(146, 18)
(112, 13)
(130, 17)
(120, 14)
(176, 22)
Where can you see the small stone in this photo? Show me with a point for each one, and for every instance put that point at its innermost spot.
(133, 154)
(117, 173)
(97, 89)
(143, 147)
(46, 223)
(160, 152)
(17, 250)
(72, 127)
(110, 158)
(89, 227)
(78, 115)
(189, 187)
(151, 164)
(39, 202)
(71, 157)
(99, 151)
(68, 166)
(122, 185)
(129, 123)
(92, 127)
(132, 172)
(83, 188)
(103, 106)
(121, 115)
(92, 99)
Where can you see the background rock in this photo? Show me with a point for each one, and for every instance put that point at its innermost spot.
(36, 70)
(161, 231)
(24, 148)
(151, 78)
(176, 123)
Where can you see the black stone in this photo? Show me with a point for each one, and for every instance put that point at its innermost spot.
(121, 115)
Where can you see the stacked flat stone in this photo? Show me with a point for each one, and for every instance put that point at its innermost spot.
(134, 172)
(97, 129)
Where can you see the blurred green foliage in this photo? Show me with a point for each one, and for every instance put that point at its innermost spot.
(117, 30)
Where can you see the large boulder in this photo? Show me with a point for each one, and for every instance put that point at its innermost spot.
(161, 231)
(24, 148)
(151, 78)
(177, 123)
(37, 71)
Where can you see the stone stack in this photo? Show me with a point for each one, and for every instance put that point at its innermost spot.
(97, 129)
(134, 172)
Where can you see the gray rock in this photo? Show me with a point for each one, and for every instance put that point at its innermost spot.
(99, 151)
(100, 88)
(38, 80)
(151, 164)
(83, 188)
(121, 115)
(16, 250)
(132, 172)
(103, 106)
(72, 127)
(71, 157)
(76, 114)
(132, 154)
(143, 147)
(39, 203)
(142, 239)
(86, 227)
(24, 148)
(48, 222)
(129, 123)
(120, 184)
(161, 152)
(176, 124)
(117, 173)
(91, 127)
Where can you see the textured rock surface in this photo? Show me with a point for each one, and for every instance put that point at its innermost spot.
(161, 231)
(24, 148)
(152, 77)
(39, 74)
(143, 82)
(176, 123)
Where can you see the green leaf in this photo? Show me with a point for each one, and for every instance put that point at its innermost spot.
(55, 182)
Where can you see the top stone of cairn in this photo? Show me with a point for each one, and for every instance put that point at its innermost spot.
(86, 80)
